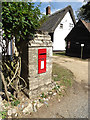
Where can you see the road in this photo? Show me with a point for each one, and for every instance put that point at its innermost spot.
(75, 102)
(78, 67)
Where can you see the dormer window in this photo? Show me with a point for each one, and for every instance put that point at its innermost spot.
(70, 25)
(61, 26)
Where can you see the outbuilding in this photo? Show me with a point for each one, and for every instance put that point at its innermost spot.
(78, 40)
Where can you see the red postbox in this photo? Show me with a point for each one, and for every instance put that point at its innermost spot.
(41, 60)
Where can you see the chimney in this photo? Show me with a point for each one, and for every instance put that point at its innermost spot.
(48, 10)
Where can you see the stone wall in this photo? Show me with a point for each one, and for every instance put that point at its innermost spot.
(39, 83)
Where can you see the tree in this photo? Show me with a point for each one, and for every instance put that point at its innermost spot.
(20, 19)
(43, 19)
(84, 12)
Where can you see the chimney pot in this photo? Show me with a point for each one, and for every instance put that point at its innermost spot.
(48, 10)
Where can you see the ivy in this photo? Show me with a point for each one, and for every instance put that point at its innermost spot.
(20, 19)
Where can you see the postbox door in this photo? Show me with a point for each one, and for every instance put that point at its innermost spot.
(41, 60)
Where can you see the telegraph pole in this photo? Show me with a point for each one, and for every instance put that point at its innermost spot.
(82, 45)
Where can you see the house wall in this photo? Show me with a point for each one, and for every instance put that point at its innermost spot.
(11, 45)
(60, 33)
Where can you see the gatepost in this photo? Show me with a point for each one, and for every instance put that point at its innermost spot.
(39, 62)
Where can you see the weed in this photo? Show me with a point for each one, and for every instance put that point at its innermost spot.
(6, 105)
(3, 114)
(15, 102)
(40, 100)
(55, 88)
(43, 95)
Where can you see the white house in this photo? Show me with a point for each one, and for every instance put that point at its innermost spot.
(59, 24)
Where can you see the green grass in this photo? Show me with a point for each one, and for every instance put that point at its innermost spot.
(62, 75)
(59, 53)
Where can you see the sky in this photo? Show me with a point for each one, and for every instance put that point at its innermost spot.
(55, 6)
(58, 0)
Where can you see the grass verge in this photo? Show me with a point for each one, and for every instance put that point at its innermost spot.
(62, 53)
(62, 75)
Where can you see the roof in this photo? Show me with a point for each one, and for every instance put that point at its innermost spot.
(79, 32)
(53, 20)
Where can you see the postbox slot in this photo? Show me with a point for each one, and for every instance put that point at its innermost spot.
(42, 54)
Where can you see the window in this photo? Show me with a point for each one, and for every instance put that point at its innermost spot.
(69, 44)
(70, 25)
(77, 43)
(61, 26)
